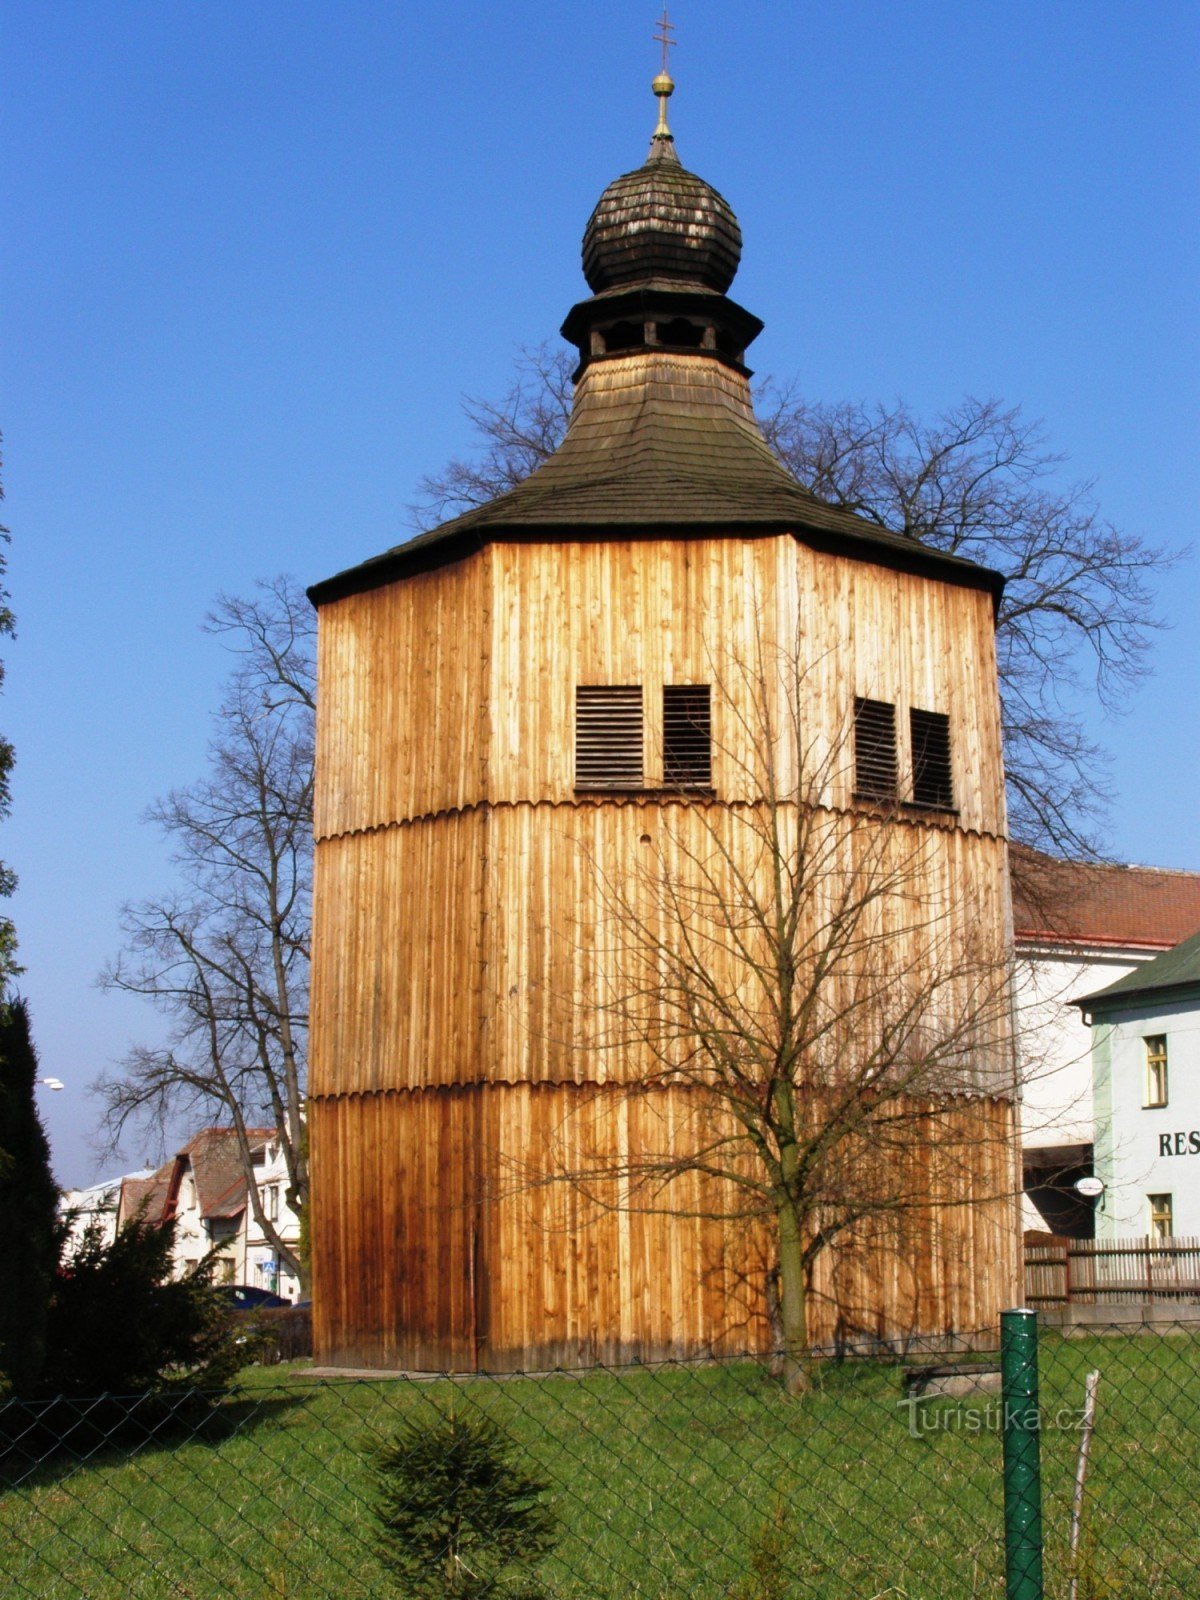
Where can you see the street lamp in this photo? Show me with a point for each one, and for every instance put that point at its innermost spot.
(52, 1083)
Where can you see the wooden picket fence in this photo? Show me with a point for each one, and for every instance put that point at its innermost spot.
(1096, 1272)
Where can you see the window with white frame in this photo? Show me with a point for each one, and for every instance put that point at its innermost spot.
(1162, 1216)
(1156, 1070)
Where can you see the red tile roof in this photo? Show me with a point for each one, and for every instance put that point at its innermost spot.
(217, 1169)
(145, 1197)
(220, 1183)
(1170, 975)
(1102, 904)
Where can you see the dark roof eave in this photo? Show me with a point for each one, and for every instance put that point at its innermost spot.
(1134, 999)
(424, 554)
(1174, 975)
(655, 295)
(404, 562)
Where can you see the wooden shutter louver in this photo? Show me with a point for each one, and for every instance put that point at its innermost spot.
(687, 736)
(608, 736)
(874, 750)
(933, 782)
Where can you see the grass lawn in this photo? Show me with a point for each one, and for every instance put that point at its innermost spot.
(664, 1481)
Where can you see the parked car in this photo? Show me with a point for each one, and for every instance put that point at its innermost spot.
(279, 1330)
(246, 1297)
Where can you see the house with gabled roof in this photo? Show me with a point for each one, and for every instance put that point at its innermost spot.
(94, 1209)
(1145, 1058)
(1079, 926)
(204, 1191)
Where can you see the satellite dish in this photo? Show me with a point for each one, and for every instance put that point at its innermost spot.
(1089, 1188)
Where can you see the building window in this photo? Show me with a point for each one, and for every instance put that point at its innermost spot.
(932, 781)
(272, 1202)
(687, 736)
(874, 750)
(1156, 1070)
(1161, 1216)
(608, 736)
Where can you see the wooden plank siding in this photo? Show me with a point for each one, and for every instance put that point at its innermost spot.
(459, 917)
(475, 947)
(449, 1240)
(403, 677)
(457, 686)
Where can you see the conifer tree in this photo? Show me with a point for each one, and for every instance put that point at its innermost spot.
(8, 878)
(28, 1208)
(460, 1517)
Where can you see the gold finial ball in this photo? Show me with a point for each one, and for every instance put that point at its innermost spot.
(663, 85)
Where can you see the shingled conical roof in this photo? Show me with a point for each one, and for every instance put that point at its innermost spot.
(658, 443)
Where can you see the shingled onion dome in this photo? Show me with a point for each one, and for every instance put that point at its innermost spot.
(661, 222)
(659, 252)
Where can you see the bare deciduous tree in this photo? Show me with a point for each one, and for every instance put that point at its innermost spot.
(979, 481)
(519, 432)
(829, 993)
(225, 956)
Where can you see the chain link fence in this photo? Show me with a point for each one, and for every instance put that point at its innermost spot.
(679, 1479)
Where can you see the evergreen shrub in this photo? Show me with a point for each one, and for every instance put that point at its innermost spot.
(460, 1518)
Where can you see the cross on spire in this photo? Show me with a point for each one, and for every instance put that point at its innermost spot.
(665, 29)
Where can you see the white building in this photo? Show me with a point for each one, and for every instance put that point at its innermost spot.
(1079, 927)
(94, 1207)
(260, 1261)
(1146, 1068)
(203, 1189)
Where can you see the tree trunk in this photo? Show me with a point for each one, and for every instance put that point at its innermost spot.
(793, 1302)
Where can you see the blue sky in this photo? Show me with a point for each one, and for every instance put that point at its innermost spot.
(255, 254)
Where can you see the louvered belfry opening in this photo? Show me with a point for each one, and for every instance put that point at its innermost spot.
(933, 782)
(687, 736)
(874, 750)
(608, 736)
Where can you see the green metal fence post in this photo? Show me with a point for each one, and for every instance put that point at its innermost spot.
(1022, 1456)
